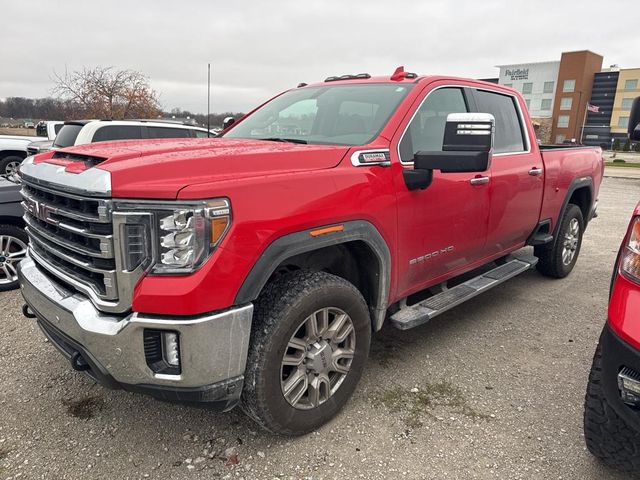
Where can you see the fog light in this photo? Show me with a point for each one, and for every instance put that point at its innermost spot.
(171, 348)
(629, 385)
(162, 351)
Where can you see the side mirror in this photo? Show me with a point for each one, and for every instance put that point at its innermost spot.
(227, 122)
(466, 147)
(634, 120)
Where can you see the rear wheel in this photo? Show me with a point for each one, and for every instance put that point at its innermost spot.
(559, 260)
(607, 435)
(310, 341)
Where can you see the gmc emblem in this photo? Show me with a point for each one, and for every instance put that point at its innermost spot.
(37, 209)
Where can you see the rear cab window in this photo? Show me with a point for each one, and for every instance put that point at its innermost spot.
(509, 137)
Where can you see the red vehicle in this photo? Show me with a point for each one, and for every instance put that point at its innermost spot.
(612, 405)
(253, 268)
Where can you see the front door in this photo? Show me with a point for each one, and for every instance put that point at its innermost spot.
(516, 174)
(442, 228)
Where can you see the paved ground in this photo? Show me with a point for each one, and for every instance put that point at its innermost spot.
(500, 384)
(622, 172)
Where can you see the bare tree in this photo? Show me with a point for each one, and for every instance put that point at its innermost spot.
(103, 92)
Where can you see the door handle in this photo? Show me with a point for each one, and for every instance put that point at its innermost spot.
(535, 171)
(479, 180)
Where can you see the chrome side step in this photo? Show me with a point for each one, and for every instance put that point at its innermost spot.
(422, 312)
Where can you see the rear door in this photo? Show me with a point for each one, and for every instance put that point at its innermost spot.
(516, 185)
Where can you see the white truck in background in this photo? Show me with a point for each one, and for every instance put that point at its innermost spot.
(13, 148)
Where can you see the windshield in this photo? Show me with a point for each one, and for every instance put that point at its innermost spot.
(67, 135)
(332, 114)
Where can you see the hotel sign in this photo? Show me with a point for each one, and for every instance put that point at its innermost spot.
(517, 74)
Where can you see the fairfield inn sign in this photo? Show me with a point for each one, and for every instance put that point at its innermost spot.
(517, 74)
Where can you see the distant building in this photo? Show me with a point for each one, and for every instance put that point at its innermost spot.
(575, 82)
(557, 94)
(537, 83)
(597, 130)
(627, 89)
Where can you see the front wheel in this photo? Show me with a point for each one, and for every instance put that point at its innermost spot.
(310, 341)
(13, 248)
(10, 165)
(559, 260)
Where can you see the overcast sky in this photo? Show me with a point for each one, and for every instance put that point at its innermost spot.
(258, 48)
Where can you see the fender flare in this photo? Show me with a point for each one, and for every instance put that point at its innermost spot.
(302, 242)
(576, 183)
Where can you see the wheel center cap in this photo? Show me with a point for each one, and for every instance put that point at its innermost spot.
(319, 357)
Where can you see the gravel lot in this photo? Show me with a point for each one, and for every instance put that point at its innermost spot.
(493, 389)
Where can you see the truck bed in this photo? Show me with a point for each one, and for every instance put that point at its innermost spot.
(564, 167)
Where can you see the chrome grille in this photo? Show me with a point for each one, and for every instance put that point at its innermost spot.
(71, 237)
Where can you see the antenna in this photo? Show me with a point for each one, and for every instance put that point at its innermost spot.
(208, 99)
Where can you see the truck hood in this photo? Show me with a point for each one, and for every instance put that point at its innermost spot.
(16, 141)
(161, 168)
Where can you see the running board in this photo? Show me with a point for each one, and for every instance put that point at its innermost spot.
(422, 312)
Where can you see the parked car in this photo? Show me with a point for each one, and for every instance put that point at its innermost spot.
(13, 148)
(13, 238)
(79, 132)
(253, 268)
(612, 404)
(48, 128)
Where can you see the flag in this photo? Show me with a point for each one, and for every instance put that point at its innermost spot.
(593, 108)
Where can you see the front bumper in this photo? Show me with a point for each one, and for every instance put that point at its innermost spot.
(617, 354)
(213, 347)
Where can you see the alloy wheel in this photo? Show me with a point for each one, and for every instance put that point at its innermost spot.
(317, 358)
(12, 250)
(571, 239)
(12, 168)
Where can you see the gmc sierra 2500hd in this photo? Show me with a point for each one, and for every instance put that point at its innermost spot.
(253, 268)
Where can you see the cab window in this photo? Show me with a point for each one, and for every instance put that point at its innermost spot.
(117, 132)
(509, 137)
(167, 132)
(426, 130)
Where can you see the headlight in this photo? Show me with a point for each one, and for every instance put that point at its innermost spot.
(630, 263)
(177, 237)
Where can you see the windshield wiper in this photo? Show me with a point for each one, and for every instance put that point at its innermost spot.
(288, 140)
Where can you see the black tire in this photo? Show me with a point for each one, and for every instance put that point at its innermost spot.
(18, 236)
(279, 313)
(7, 161)
(608, 437)
(550, 259)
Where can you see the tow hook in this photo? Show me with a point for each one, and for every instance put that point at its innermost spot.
(78, 363)
(27, 312)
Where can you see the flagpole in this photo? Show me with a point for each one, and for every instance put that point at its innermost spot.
(586, 109)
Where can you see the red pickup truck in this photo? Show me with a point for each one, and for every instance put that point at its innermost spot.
(253, 268)
(612, 402)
